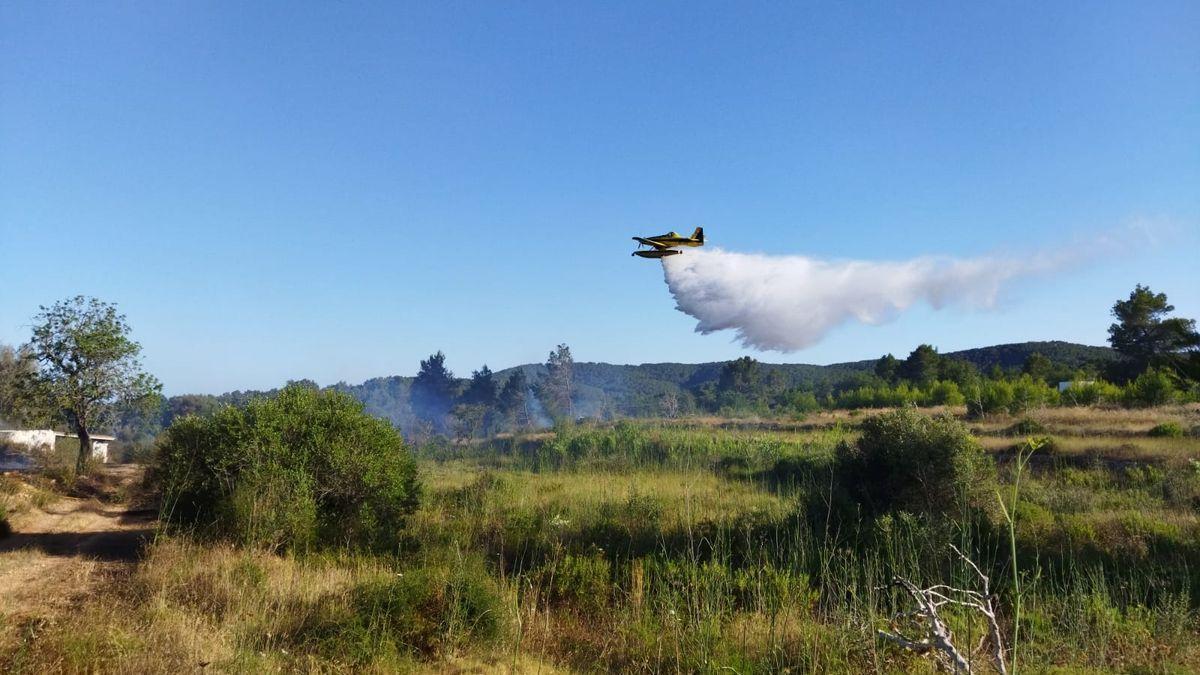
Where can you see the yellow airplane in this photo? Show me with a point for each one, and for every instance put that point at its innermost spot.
(664, 245)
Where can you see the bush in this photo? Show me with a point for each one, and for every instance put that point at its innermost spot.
(906, 461)
(302, 468)
(1090, 393)
(422, 611)
(1153, 387)
(945, 392)
(429, 609)
(1167, 430)
(990, 396)
(1027, 427)
(5, 526)
(1029, 394)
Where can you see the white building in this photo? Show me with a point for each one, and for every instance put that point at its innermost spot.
(1067, 384)
(34, 442)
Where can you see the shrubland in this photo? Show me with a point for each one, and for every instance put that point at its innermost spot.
(304, 468)
(667, 545)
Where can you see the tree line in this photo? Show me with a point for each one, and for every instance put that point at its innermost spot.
(81, 371)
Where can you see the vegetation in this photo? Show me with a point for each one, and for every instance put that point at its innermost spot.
(754, 520)
(88, 365)
(302, 469)
(1146, 337)
(696, 545)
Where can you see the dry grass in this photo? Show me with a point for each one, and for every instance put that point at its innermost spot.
(191, 606)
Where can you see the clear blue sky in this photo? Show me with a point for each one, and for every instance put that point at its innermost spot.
(335, 190)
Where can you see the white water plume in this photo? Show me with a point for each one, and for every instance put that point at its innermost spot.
(786, 303)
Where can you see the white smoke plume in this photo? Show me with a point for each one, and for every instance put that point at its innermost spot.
(786, 303)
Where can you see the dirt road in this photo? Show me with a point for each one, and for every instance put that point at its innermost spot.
(61, 550)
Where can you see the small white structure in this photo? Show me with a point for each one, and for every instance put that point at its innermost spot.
(1067, 384)
(29, 440)
(35, 442)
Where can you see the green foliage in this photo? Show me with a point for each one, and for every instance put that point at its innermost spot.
(302, 468)
(1145, 336)
(741, 376)
(1026, 427)
(1153, 387)
(921, 366)
(88, 364)
(433, 392)
(887, 368)
(906, 461)
(422, 611)
(1168, 430)
(1013, 397)
(1083, 392)
(944, 393)
(20, 402)
(481, 389)
(558, 387)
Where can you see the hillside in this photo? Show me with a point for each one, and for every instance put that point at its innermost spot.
(613, 389)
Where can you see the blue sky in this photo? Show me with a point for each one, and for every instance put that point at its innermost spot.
(335, 190)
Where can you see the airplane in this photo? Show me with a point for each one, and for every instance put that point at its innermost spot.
(664, 245)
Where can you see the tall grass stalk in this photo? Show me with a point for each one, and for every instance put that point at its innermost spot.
(1010, 517)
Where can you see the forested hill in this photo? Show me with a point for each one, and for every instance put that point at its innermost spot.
(628, 388)
(608, 389)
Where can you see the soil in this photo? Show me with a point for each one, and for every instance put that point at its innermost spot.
(59, 552)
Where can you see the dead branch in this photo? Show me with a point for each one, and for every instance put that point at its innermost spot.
(937, 638)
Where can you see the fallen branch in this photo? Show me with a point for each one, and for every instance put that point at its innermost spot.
(937, 638)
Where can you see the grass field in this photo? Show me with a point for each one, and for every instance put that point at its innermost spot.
(677, 546)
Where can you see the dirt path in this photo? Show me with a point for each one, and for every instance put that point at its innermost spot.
(60, 551)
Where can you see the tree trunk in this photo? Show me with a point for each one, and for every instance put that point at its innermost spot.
(85, 447)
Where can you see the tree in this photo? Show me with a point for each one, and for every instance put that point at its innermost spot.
(481, 390)
(669, 405)
(512, 402)
(19, 402)
(559, 384)
(1146, 337)
(433, 392)
(962, 373)
(87, 365)
(921, 366)
(886, 368)
(741, 376)
(1038, 367)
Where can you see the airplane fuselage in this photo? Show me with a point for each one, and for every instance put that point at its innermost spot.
(668, 244)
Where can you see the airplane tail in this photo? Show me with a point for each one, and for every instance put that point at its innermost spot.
(698, 235)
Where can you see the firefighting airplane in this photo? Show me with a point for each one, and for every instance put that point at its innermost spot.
(666, 244)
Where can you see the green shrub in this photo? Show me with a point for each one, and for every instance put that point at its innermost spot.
(906, 461)
(5, 526)
(1090, 393)
(944, 392)
(430, 609)
(583, 581)
(302, 468)
(1030, 394)
(989, 396)
(1027, 427)
(1153, 387)
(1167, 430)
(418, 612)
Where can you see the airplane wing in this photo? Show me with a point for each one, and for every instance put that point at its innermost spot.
(650, 242)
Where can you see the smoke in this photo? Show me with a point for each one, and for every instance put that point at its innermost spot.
(786, 303)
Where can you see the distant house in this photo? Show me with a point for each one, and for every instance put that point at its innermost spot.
(34, 442)
(1067, 384)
